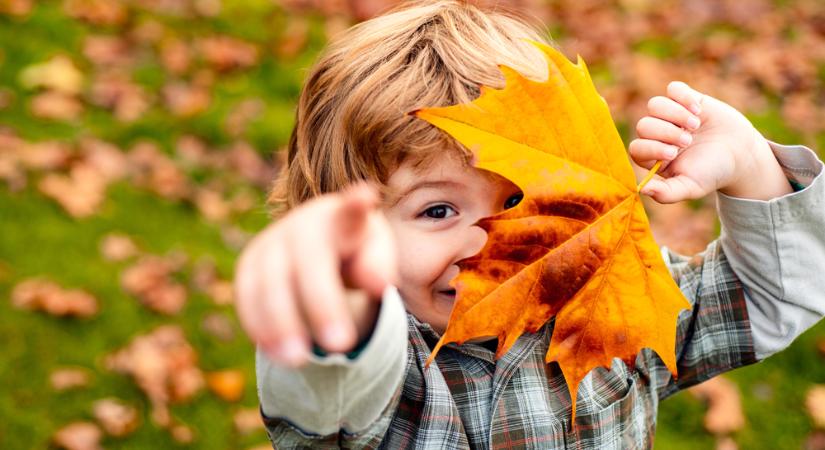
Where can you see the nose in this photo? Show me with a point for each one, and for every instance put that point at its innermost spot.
(473, 242)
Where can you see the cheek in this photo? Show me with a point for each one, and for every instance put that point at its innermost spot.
(422, 258)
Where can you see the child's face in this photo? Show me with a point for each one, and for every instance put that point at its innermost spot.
(433, 221)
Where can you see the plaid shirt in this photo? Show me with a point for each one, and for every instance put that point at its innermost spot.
(467, 399)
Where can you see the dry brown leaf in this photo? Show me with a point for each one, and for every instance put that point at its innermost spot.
(106, 50)
(150, 280)
(80, 193)
(226, 384)
(36, 294)
(247, 420)
(175, 55)
(219, 326)
(186, 100)
(55, 106)
(239, 117)
(18, 8)
(155, 171)
(78, 436)
(815, 405)
(247, 162)
(726, 443)
(117, 247)
(44, 155)
(815, 441)
(182, 434)
(226, 53)
(108, 160)
(294, 38)
(69, 378)
(97, 12)
(59, 74)
(724, 413)
(212, 205)
(115, 417)
(164, 366)
(114, 90)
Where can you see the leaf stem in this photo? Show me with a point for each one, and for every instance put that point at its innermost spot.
(649, 175)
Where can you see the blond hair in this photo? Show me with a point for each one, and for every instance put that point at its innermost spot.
(352, 120)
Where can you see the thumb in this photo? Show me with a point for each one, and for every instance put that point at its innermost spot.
(671, 190)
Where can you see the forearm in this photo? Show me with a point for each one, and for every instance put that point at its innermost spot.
(334, 392)
(777, 249)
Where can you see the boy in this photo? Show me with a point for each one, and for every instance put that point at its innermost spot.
(330, 271)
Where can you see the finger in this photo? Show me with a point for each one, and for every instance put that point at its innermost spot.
(645, 152)
(285, 337)
(661, 130)
(686, 96)
(317, 278)
(671, 111)
(672, 190)
(247, 291)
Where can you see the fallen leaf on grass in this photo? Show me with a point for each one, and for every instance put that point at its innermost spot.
(117, 247)
(815, 405)
(115, 417)
(226, 53)
(58, 75)
(164, 366)
(724, 414)
(219, 326)
(69, 378)
(247, 420)
(226, 384)
(42, 295)
(153, 170)
(78, 436)
(150, 280)
(80, 192)
(186, 100)
(55, 106)
(97, 12)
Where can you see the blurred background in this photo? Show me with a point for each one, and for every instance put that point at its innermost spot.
(138, 139)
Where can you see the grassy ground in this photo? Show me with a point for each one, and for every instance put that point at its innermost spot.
(38, 239)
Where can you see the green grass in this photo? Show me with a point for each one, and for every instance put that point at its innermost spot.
(38, 239)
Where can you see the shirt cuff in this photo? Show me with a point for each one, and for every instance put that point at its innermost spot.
(803, 169)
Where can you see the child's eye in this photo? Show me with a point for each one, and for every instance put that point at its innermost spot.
(438, 212)
(513, 200)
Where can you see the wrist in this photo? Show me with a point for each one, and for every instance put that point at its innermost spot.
(759, 175)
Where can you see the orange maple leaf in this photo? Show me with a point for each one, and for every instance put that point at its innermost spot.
(578, 246)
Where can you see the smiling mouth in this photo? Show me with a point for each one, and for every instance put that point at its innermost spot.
(448, 292)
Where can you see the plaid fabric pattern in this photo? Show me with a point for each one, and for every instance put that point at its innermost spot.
(466, 399)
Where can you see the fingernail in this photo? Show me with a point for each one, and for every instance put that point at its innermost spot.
(695, 109)
(670, 152)
(685, 139)
(336, 336)
(292, 351)
(693, 123)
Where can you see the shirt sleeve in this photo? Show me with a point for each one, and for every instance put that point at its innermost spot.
(334, 394)
(777, 249)
(758, 286)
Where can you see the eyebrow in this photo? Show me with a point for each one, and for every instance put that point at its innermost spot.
(420, 185)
